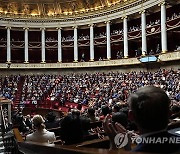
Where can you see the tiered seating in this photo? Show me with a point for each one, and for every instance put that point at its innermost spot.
(9, 86)
(64, 92)
(36, 89)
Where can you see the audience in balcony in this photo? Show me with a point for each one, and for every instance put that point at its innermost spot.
(158, 49)
(151, 52)
(100, 35)
(134, 28)
(119, 54)
(49, 39)
(82, 57)
(117, 32)
(68, 38)
(82, 37)
(173, 16)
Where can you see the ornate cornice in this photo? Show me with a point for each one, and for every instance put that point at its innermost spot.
(104, 12)
(84, 20)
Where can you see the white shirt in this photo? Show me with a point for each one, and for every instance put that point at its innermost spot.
(43, 136)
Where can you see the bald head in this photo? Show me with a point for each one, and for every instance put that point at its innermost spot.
(150, 108)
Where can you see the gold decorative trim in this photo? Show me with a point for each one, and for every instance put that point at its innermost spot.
(73, 17)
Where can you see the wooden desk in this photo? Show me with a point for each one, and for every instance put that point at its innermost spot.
(38, 148)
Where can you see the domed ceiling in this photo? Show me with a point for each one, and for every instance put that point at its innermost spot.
(53, 8)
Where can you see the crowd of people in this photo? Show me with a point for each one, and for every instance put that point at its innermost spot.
(93, 89)
(99, 88)
(9, 86)
(109, 98)
(35, 88)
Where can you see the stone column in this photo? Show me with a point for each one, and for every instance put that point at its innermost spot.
(125, 36)
(8, 45)
(163, 28)
(75, 44)
(26, 45)
(91, 42)
(43, 47)
(108, 37)
(59, 46)
(143, 33)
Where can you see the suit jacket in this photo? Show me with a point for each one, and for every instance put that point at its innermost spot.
(43, 136)
(53, 124)
(164, 147)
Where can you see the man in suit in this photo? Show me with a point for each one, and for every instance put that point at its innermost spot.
(149, 109)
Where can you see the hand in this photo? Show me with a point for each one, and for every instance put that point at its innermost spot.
(112, 130)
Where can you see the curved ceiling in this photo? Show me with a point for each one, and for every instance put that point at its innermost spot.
(44, 8)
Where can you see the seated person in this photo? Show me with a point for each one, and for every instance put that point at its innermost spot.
(116, 108)
(40, 135)
(91, 115)
(51, 121)
(149, 109)
(120, 117)
(105, 110)
(71, 128)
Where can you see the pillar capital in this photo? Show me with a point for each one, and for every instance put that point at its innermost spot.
(42, 28)
(142, 11)
(91, 25)
(162, 3)
(25, 28)
(107, 22)
(75, 27)
(8, 27)
(58, 28)
(124, 17)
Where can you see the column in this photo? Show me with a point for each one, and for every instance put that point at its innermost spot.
(108, 37)
(75, 44)
(59, 46)
(42, 45)
(143, 33)
(26, 45)
(91, 43)
(8, 45)
(163, 28)
(125, 36)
